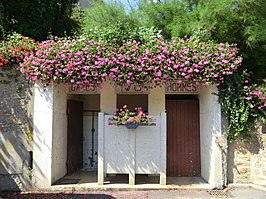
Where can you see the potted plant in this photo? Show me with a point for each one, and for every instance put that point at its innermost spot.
(131, 119)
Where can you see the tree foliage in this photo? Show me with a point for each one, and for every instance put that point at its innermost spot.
(235, 21)
(108, 20)
(38, 18)
(106, 14)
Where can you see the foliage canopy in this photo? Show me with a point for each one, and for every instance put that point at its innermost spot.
(38, 18)
(234, 21)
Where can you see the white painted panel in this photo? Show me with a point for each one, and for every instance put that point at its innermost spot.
(116, 146)
(142, 153)
(148, 149)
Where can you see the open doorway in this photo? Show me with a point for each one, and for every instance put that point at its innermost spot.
(82, 132)
(81, 146)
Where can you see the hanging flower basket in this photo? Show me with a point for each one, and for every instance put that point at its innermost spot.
(132, 125)
(131, 120)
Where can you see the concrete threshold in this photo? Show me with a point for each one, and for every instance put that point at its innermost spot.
(83, 181)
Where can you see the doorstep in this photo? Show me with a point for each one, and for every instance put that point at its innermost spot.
(83, 180)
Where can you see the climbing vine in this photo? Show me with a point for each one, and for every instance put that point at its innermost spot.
(240, 102)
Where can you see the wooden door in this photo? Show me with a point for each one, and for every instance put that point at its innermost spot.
(183, 137)
(74, 136)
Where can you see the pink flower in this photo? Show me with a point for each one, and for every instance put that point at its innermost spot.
(34, 78)
(131, 119)
(159, 73)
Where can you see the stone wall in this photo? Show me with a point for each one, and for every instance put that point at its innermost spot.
(15, 133)
(247, 160)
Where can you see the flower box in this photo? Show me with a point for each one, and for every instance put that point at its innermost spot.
(131, 119)
(132, 125)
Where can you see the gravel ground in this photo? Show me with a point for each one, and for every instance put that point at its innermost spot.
(247, 193)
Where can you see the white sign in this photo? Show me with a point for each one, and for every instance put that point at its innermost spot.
(83, 89)
(181, 87)
(131, 89)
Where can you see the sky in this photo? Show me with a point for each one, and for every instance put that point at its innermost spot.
(126, 3)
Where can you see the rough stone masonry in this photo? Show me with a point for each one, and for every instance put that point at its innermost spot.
(247, 160)
(16, 104)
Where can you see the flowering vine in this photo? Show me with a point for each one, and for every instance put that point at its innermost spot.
(256, 95)
(12, 52)
(14, 49)
(82, 61)
(86, 62)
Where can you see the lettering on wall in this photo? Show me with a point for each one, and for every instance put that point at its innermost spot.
(184, 87)
(81, 89)
(131, 89)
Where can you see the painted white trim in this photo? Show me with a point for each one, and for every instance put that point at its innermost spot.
(101, 157)
(163, 150)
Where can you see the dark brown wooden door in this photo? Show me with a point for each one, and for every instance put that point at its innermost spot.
(183, 137)
(74, 136)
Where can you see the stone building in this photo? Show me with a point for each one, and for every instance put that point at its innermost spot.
(49, 132)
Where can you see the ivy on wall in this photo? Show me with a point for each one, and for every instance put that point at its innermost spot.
(241, 102)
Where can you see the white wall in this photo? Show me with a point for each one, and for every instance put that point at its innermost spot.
(42, 135)
(108, 98)
(50, 135)
(156, 101)
(59, 141)
(210, 130)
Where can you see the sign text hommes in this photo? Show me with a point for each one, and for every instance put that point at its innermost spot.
(181, 87)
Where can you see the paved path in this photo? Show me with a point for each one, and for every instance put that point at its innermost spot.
(240, 193)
